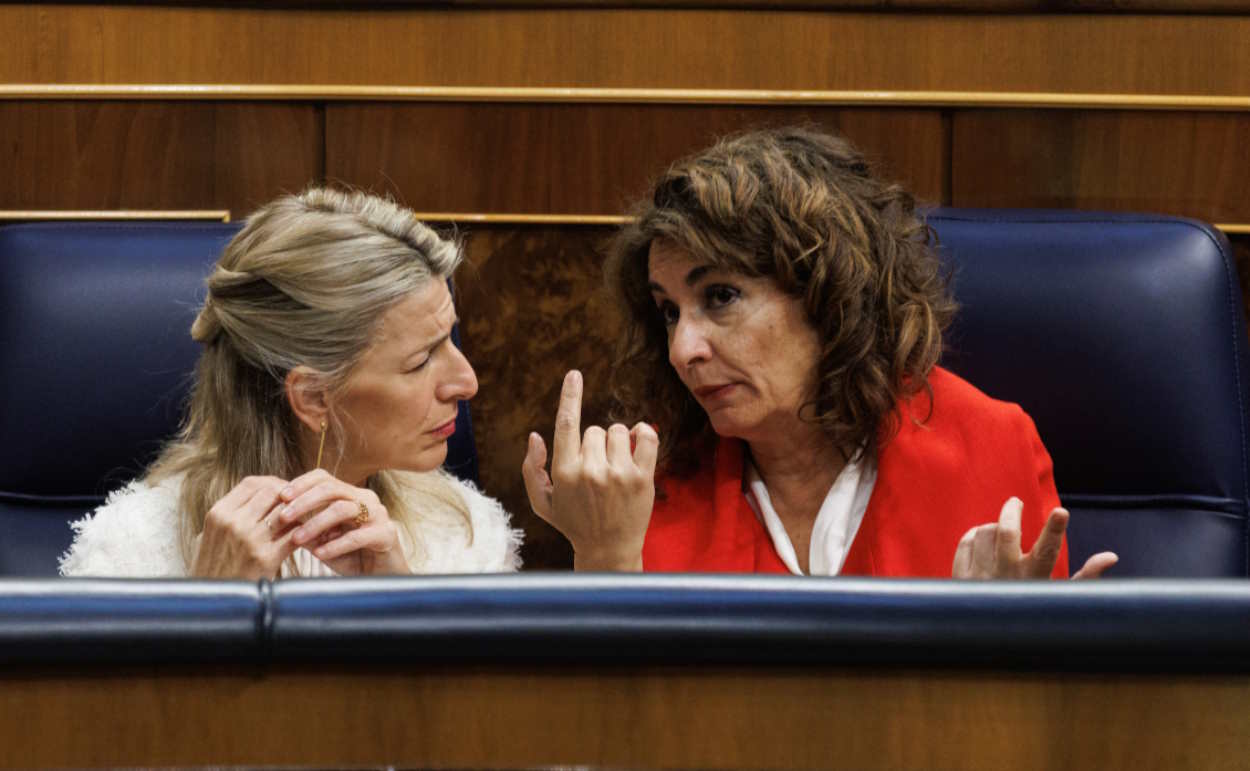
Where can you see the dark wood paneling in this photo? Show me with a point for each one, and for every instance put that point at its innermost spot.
(585, 159)
(531, 307)
(634, 48)
(985, 6)
(153, 155)
(409, 714)
(1192, 164)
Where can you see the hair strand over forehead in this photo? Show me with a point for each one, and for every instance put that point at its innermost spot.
(803, 208)
(306, 282)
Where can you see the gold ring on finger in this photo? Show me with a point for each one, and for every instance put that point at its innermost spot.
(362, 516)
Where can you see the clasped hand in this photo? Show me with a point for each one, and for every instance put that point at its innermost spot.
(993, 550)
(263, 520)
(600, 490)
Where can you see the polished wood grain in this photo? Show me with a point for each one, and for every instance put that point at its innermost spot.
(627, 48)
(1192, 164)
(531, 307)
(984, 6)
(100, 215)
(778, 98)
(583, 159)
(109, 155)
(626, 717)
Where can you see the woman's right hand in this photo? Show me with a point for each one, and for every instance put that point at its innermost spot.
(600, 492)
(242, 536)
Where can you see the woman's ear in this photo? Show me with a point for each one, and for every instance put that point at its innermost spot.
(307, 395)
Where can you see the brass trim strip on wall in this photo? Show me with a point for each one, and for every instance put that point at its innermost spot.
(223, 215)
(1230, 228)
(863, 98)
(100, 215)
(523, 219)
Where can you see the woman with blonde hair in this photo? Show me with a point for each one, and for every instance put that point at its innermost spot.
(785, 318)
(318, 421)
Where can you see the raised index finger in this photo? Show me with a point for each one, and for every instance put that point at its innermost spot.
(1008, 540)
(566, 443)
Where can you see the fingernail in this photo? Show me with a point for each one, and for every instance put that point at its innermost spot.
(286, 512)
(299, 535)
(287, 492)
(575, 377)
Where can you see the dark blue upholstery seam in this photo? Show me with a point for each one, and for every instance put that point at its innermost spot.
(1230, 275)
(127, 226)
(1160, 499)
(6, 495)
(1219, 514)
(264, 619)
(1069, 221)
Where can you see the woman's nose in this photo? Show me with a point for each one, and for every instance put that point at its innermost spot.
(461, 382)
(688, 345)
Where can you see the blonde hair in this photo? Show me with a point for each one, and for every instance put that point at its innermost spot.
(305, 282)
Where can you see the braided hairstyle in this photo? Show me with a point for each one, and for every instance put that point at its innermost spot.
(803, 208)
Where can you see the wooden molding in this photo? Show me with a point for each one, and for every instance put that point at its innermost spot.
(958, 6)
(58, 215)
(523, 219)
(1230, 228)
(484, 218)
(336, 93)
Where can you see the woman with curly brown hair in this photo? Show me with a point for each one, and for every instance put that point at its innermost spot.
(786, 315)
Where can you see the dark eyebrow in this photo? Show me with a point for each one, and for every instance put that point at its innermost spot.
(692, 278)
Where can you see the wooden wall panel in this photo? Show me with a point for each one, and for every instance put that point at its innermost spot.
(153, 155)
(532, 306)
(583, 159)
(413, 714)
(1193, 164)
(627, 48)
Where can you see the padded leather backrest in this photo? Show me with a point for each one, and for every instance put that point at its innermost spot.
(95, 365)
(557, 620)
(1123, 337)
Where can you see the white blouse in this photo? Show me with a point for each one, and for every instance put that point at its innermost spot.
(836, 524)
(136, 534)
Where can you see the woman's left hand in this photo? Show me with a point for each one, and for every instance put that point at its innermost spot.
(993, 550)
(345, 527)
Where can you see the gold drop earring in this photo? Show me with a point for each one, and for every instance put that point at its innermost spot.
(322, 445)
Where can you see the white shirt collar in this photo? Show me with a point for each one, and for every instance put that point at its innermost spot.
(836, 524)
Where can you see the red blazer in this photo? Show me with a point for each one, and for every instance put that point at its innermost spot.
(935, 480)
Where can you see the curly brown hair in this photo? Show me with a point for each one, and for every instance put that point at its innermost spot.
(802, 207)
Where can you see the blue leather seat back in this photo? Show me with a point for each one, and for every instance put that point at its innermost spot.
(1123, 337)
(95, 364)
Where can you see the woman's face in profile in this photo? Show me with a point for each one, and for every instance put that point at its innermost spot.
(741, 345)
(400, 404)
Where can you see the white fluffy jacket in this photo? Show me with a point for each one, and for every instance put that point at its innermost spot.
(135, 534)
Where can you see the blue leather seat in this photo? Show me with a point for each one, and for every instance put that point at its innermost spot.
(1123, 337)
(554, 620)
(95, 361)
